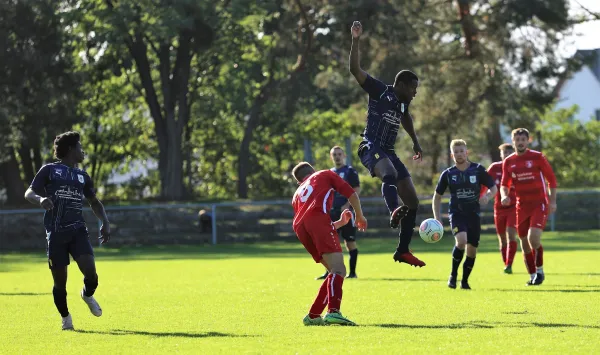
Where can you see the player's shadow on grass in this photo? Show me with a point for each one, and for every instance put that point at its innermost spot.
(564, 290)
(484, 325)
(165, 334)
(398, 279)
(24, 293)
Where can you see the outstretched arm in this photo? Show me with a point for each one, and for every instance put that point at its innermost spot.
(355, 69)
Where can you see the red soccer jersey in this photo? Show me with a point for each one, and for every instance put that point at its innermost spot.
(315, 194)
(495, 171)
(528, 173)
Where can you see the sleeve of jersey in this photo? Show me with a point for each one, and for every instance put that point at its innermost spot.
(373, 86)
(506, 178)
(486, 179)
(442, 184)
(38, 185)
(353, 179)
(340, 185)
(548, 172)
(88, 189)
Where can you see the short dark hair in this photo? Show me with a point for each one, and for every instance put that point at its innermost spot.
(64, 142)
(406, 77)
(505, 146)
(302, 170)
(519, 132)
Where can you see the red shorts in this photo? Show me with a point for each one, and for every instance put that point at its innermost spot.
(504, 218)
(531, 216)
(318, 235)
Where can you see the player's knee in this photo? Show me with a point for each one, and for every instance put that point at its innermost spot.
(91, 281)
(389, 178)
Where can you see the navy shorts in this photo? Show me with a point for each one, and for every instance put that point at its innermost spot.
(348, 232)
(75, 242)
(469, 223)
(371, 154)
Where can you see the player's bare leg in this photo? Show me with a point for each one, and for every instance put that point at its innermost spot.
(59, 292)
(385, 171)
(408, 194)
(511, 238)
(535, 242)
(353, 251)
(457, 255)
(87, 266)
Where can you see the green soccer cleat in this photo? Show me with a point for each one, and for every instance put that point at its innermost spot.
(337, 318)
(508, 269)
(313, 321)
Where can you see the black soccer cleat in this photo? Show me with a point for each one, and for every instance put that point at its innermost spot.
(464, 285)
(397, 216)
(452, 282)
(539, 279)
(352, 276)
(323, 277)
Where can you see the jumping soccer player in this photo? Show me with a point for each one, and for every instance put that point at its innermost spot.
(528, 171)
(505, 217)
(312, 202)
(59, 189)
(388, 109)
(464, 180)
(340, 203)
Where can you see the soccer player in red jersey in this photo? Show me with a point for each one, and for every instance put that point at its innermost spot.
(314, 228)
(527, 170)
(505, 217)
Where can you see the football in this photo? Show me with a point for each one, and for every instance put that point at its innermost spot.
(431, 230)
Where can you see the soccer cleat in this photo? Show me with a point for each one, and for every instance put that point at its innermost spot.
(464, 285)
(508, 269)
(452, 281)
(92, 304)
(323, 277)
(408, 258)
(397, 216)
(308, 321)
(337, 318)
(67, 322)
(352, 276)
(539, 279)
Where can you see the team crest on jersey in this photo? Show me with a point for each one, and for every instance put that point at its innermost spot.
(473, 179)
(454, 178)
(529, 163)
(342, 175)
(80, 178)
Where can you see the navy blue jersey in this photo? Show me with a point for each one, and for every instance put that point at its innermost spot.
(65, 186)
(464, 187)
(384, 115)
(351, 177)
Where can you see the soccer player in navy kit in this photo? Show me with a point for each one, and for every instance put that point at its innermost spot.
(464, 180)
(388, 110)
(340, 203)
(59, 188)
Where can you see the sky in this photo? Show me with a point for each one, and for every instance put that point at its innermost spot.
(588, 33)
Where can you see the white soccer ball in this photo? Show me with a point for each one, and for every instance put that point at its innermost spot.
(431, 230)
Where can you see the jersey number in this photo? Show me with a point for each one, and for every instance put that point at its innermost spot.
(305, 193)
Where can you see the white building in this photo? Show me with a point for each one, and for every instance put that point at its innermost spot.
(582, 88)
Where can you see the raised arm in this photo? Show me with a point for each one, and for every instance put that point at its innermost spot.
(355, 69)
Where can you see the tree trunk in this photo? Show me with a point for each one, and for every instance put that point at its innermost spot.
(26, 160)
(10, 173)
(494, 139)
(37, 155)
(435, 155)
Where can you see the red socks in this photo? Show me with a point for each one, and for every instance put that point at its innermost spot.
(503, 252)
(539, 257)
(321, 301)
(330, 294)
(334, 292)
(510, 254)
(530, 262)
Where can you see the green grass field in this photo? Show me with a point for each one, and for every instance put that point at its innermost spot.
(252, 298)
